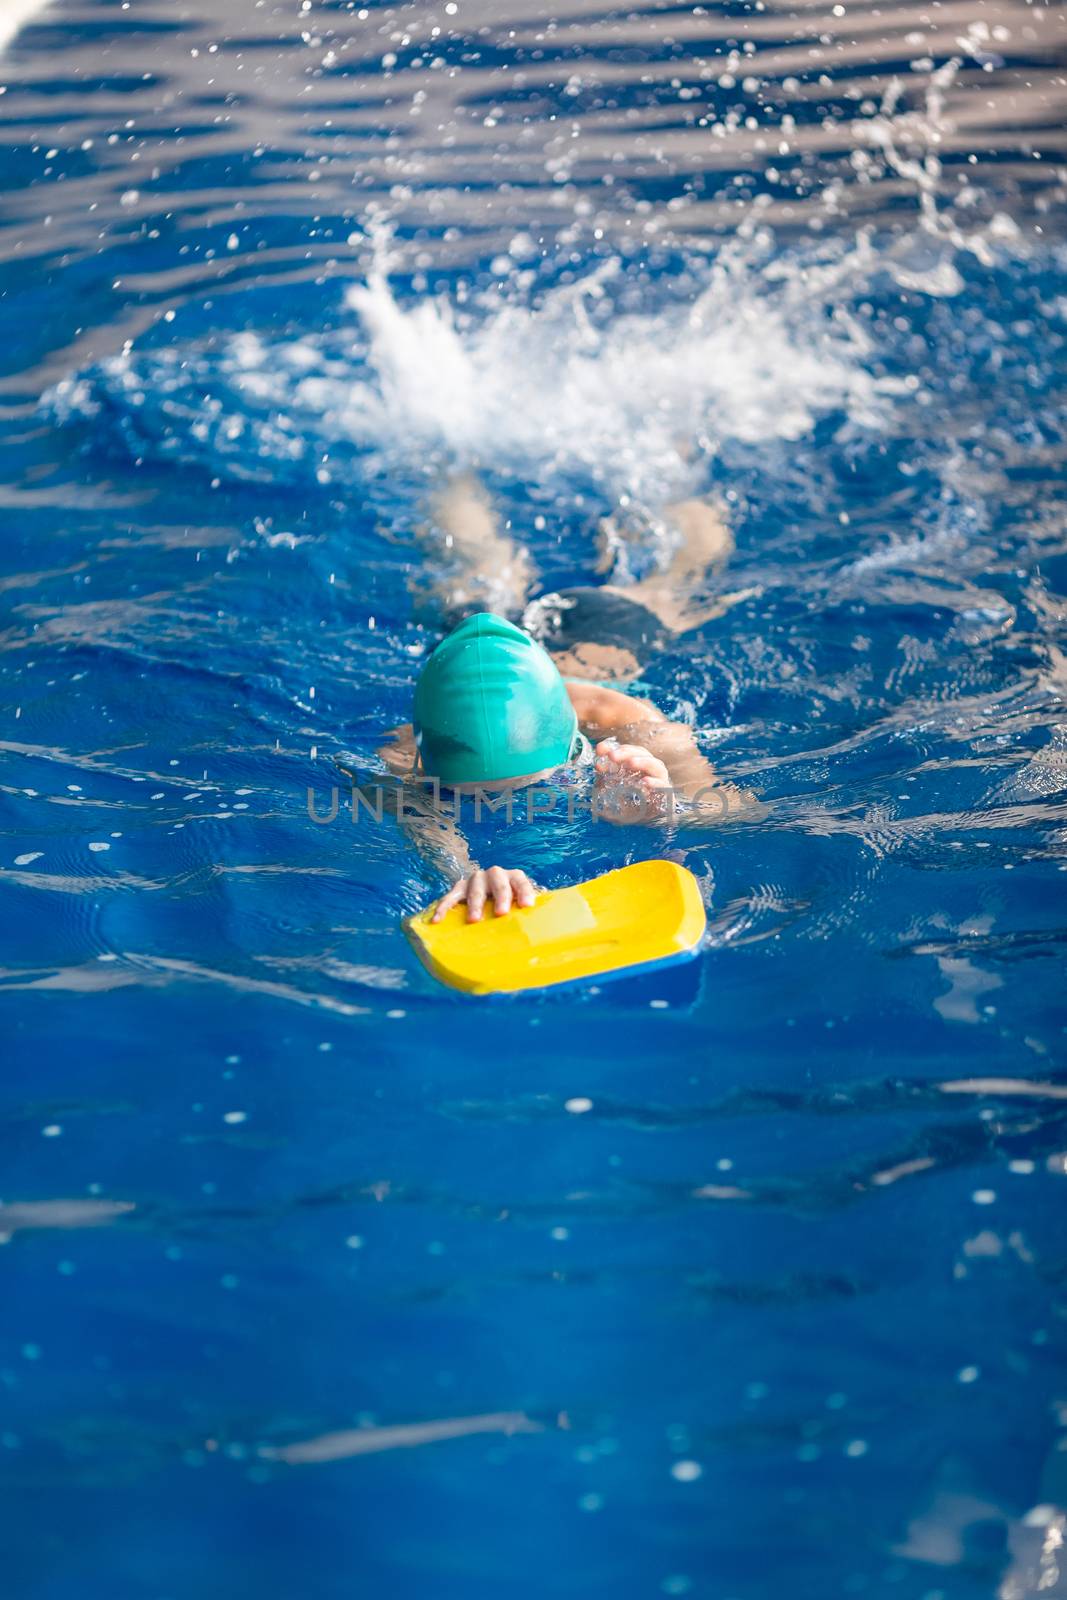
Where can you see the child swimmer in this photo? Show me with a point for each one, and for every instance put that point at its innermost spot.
(493, 713)
(495, 710)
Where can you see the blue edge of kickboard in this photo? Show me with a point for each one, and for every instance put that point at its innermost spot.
(642, 969)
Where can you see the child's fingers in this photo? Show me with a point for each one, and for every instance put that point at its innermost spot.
(622, 754)
(609, 755)
(641, 761)
(524, 891)
(475, 896)
(635, 759)
(499, 886)
(457, 893)
(507, 888)
(651, 767)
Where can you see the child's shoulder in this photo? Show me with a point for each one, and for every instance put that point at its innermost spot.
(399, 753)
(599, 707)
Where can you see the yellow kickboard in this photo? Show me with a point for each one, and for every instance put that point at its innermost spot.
(648, 913)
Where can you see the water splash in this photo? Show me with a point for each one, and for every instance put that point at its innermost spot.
(572, 385)
(908, 144)
(625, 382)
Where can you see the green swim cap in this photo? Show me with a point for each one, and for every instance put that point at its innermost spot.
(490, 703)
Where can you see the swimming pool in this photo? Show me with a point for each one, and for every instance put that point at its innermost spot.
(319, 1280)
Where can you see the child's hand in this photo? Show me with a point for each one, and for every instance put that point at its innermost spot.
(506, 886)
(632, 785)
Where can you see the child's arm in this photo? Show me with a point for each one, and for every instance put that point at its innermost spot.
(443, 847)
(437, 839)
(639, 726)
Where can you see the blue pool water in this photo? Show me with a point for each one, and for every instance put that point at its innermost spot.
(318, 1280)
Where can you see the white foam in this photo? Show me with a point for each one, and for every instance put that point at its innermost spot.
(626, 397)
(13, 14)
(571, 387)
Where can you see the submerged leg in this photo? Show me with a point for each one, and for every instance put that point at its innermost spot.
(702, 539)
(483, 568)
